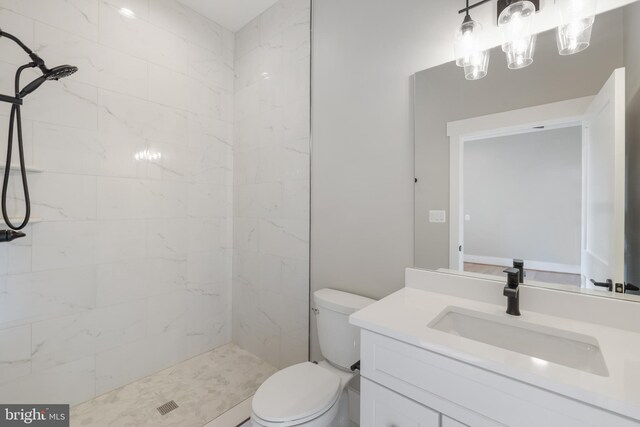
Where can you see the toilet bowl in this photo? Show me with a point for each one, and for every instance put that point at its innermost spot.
(306, 394)
(310, 394)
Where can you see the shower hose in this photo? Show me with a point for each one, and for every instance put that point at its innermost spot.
(15, 120)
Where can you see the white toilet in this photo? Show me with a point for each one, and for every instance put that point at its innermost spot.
(309, 394)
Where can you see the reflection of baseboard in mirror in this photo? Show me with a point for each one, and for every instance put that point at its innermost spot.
(531, 265)
(547, 147)
(553, 286)
(531, 274)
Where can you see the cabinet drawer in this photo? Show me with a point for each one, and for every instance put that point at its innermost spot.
(473, 396)
(381, 407)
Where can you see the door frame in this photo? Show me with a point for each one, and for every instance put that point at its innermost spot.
(554, 115)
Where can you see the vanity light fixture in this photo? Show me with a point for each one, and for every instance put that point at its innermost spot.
(467, 49)
(519, 42)
(576, 22)
(515, 19)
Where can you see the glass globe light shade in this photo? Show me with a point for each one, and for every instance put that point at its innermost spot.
(467, 41)
(519, 43)
(576, 23)
(477, 66)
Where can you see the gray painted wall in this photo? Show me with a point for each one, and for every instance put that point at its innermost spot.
(364, 53)
(632, 62)
(442, 96)
(523, 194)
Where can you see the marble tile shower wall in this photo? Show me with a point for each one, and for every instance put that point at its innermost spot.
(129, 270)
(271, 184)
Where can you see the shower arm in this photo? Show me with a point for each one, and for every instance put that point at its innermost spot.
(37, 62)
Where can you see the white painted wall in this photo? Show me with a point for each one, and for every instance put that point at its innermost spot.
(523, 196)
(364, 54)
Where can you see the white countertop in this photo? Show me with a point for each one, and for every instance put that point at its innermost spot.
(405, 315)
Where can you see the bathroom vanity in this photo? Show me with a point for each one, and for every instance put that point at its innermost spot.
(443, 352)
(531, 165)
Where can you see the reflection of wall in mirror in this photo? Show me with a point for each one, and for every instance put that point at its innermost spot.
(443, 96)
(632, 63)
(523, 196)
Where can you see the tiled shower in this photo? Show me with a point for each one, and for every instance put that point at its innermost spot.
(170, 194)
(271, 184)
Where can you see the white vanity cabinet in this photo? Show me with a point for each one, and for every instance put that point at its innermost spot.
(384, 408)
(407, 386)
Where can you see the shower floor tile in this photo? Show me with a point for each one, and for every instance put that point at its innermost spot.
(204, 388)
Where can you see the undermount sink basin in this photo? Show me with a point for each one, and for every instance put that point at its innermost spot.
(542, 343)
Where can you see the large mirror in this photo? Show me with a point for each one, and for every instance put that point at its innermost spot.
(538, 164)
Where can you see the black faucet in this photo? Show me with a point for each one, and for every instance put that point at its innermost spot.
(512, 291)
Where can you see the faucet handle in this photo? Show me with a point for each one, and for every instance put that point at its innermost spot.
(513, 277)
(608, 284)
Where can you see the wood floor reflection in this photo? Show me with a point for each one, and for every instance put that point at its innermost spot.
(539, 276)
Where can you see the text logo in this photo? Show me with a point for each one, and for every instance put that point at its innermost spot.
(34, 415)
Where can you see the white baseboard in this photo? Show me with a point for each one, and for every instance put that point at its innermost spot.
(528, 264)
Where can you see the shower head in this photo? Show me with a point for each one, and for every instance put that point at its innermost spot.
(60, 72)
(55, 73)
(16, 117)
(47, 74)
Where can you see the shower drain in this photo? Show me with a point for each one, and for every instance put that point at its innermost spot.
(167, 407)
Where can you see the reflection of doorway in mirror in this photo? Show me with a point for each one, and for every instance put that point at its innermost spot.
(545, 184)
(522, 199)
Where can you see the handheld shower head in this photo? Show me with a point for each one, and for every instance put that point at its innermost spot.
(55, 73)
(60, 72)
(47, 74)
(16, 119)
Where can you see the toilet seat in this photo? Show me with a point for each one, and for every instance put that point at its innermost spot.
(296, 394)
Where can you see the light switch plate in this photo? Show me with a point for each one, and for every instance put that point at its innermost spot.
(438, 216)
(467, 217)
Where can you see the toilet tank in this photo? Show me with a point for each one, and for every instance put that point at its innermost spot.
(339, 340)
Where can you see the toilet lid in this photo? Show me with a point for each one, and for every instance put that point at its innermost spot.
(296, 392)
